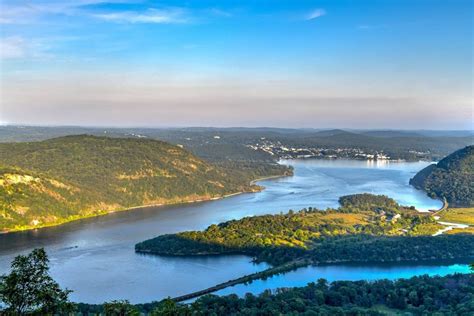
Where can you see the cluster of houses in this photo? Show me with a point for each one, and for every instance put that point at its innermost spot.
(276, 148)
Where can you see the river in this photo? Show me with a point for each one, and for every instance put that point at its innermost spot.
(347, 272)
(95, 257)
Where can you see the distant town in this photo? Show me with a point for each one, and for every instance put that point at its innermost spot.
(277, 149)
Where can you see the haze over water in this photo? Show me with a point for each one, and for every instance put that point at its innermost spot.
(96, 258)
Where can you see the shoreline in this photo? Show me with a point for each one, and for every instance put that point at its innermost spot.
(131, 208)
(357, 159)
(297, 264)
(444, 207)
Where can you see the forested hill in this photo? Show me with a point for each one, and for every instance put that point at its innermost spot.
(451, 178)
(62, 179)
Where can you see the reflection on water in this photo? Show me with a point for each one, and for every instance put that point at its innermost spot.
(95, 257)
(303, 276)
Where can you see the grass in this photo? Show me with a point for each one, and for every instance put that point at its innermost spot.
(347, 218)
(469, 230)
(428, 229)
(457, 215)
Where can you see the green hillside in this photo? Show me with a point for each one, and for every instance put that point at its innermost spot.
(63, 179)
(452, 178)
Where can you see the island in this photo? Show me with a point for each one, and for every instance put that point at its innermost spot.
(365, 228)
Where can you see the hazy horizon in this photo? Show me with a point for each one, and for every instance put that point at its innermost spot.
(315, 128)
(306, 64)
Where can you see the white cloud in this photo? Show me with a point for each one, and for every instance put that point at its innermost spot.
(317, 13)
(162, 16)
(17, 47)
(12, 47)
(25, 12)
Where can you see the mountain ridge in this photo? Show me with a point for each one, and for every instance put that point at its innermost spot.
(62, 179)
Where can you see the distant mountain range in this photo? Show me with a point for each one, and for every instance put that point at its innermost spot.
(452, 178)
(25, 133)
(231, 144)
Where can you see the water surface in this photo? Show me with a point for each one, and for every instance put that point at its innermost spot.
(95, 257)
(346, 272)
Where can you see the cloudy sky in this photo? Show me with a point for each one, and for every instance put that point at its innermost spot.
(334, 63)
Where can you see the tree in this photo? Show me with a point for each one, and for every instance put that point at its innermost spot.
(120, 308)
(168, 307)
(30, 289)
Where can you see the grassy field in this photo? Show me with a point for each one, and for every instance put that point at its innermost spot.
(469, 230)
(458, 215)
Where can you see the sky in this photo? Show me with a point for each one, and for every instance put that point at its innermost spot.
(399, 64)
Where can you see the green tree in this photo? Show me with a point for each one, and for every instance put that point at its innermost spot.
(168, 307)
(120, 308)
(30, 289)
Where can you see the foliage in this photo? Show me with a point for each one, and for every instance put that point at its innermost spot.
(29, 288)
(452, 178)
(120, 308)
(364, 248)
(63, 179)
(168, 307)
(422, 295)
(453, 295)
(366, 201)
(458, 215)
(362, 222)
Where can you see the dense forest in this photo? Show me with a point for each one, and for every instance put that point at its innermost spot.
(364, 228)
(417, 296)
(451, 178)
(67, 178)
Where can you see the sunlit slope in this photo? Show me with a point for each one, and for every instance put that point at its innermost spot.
(58, 180)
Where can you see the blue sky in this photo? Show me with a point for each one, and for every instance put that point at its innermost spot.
(358, 64)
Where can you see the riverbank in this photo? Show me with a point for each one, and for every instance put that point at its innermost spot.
(444, 207)
(302, 263)
(131, 208)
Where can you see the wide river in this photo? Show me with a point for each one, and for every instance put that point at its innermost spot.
(95, 257)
